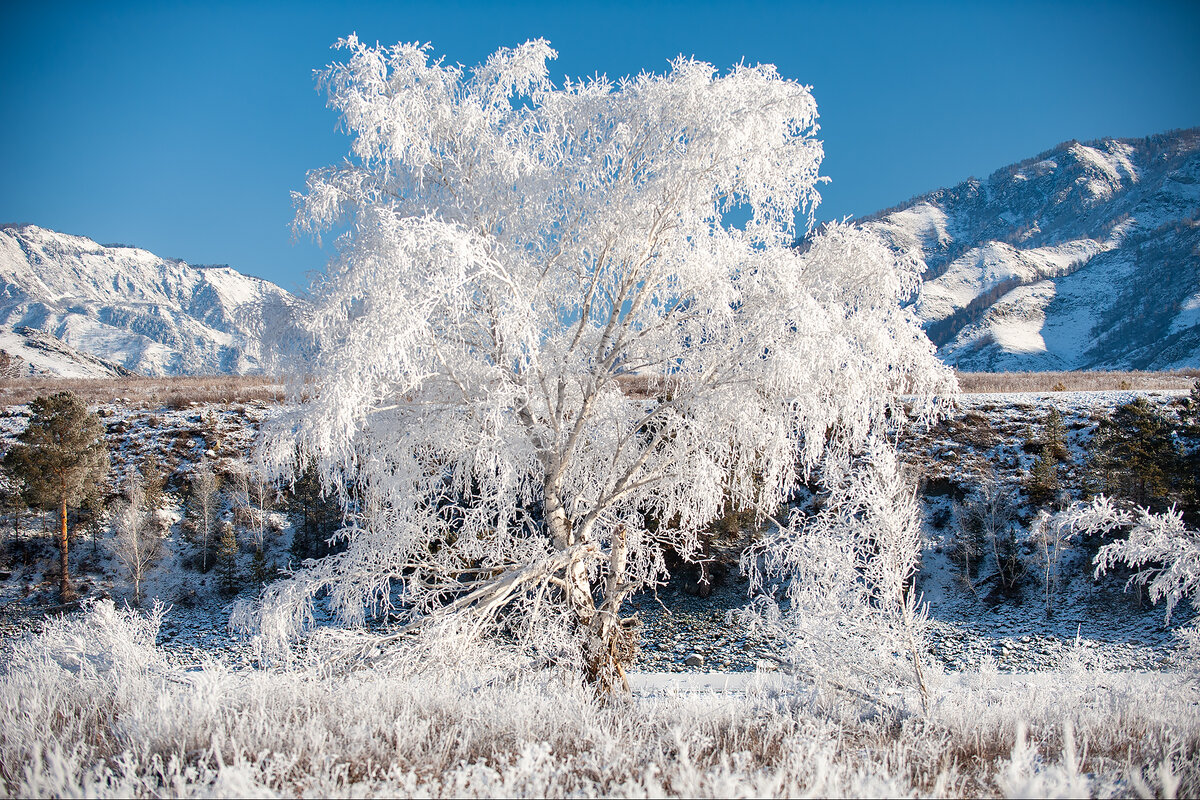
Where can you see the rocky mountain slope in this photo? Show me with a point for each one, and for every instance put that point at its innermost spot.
(1086, 256)
(27, 352)
(148, 314)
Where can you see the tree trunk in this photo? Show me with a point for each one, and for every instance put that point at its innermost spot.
(64, 580)
(578, 586)
(609, 642)
(204, 546)
(606, 638)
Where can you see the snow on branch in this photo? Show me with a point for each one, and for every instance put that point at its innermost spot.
(1165, 553)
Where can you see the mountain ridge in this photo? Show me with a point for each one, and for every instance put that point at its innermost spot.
(146, 313)
(1085, 256)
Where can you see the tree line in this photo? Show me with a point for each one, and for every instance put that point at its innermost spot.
(61, 464)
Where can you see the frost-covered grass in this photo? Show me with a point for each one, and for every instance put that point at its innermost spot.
(91, 706)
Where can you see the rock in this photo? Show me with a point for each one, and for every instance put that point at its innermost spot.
(694, 660)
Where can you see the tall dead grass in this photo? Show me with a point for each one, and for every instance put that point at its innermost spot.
(1077, 381)
(178, 392)
(172, 392)
(92, 707)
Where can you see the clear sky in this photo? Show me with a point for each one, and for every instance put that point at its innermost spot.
(182, 127)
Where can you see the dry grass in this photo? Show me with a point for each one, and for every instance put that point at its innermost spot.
(172, 392)
(91, 707)
(178, 392)
(1079, 381)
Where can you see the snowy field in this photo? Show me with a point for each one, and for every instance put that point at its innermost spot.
(92, 707)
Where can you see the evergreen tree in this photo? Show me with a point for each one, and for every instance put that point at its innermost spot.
(1042, 484)
(153, 482)
(61, 457)
(262, 573)
(227, 566)
(318, 513)
(1189, 435)
(1133, 455)
(12, 500)
(1054, 437)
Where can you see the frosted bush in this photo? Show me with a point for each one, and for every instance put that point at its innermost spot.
(837, 587)
(1163, 552)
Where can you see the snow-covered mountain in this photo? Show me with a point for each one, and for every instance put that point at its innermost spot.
(151, 315)
(1084, 257)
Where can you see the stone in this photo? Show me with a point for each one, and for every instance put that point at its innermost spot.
(694, 660)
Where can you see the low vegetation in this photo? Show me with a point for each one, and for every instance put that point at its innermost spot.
(90, 706)
(143, 392)
(180, 391)
(1077, 381)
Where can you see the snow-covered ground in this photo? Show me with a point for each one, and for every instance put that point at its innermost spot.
(92, 707)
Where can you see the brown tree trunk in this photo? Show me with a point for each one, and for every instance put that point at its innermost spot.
(64, 578)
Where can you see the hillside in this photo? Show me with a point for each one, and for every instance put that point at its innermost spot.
(1086, 256)
(130, 307)
(27, 352)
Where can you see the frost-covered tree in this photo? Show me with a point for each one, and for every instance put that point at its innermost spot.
(203, 503)
(252, 498)
(988, 521)
(842, 597)
(137, 540)
(1163, 552)
(558, 314)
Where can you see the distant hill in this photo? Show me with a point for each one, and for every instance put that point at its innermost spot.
(141, 312)
(1086, 256)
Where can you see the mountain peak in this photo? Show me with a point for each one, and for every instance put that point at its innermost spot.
(146, 313)
(1085, 256)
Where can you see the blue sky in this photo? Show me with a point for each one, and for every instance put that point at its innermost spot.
(182, 127)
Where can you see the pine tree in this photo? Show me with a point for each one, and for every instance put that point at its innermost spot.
(1189, 435)
(61, 457)
(262, 573)
(1054, 436)
(153, 481)
(1133, 455)
(1042, 484)
(227, 566)
(319, 515)
(12, 500)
